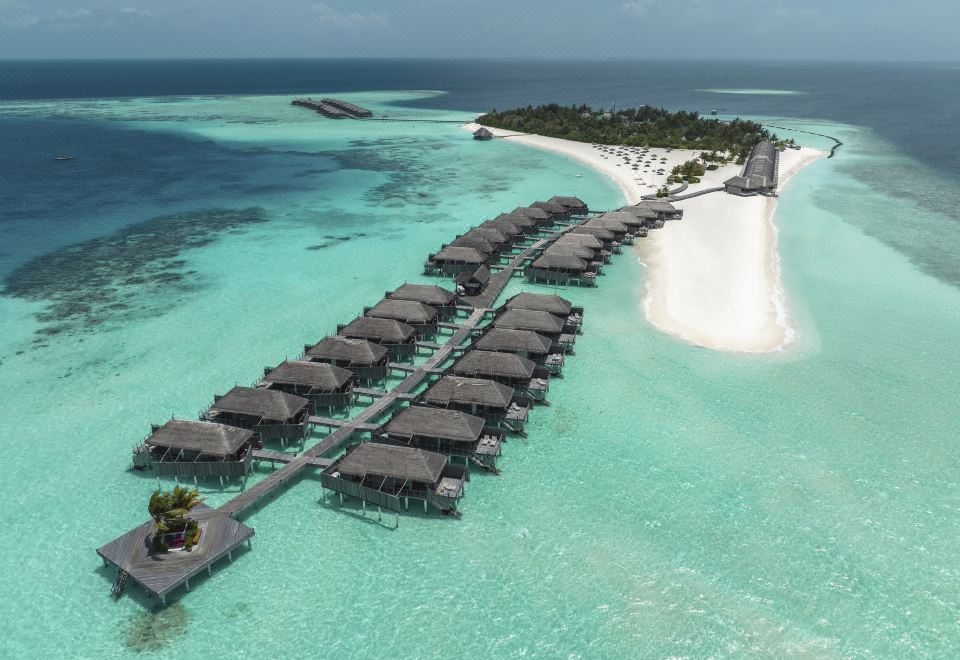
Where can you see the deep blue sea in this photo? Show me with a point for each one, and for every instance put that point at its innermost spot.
(672, 502)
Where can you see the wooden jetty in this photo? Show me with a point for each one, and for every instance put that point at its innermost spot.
(455, 432)
(353, 110)
(334, 108)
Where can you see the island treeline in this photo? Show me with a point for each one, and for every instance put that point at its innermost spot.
(643, 126)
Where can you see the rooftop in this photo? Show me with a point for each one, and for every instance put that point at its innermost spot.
(491, 363)
(409, 311)
(356, 351)
(459, 389)
(429, 294)
(434, 423)
(510, 340)
(389, 330)
(543, 302)
(204, 437)
(314, 374)
(528, 319)
(259, 401)
(464, 255)
(391, 461)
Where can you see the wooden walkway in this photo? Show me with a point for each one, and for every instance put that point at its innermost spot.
(382, 404)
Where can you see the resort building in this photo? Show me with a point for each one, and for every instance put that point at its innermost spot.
(650, 218)
(473, 283)
(525, 224)
(510, 231)
(558, 211)
(664, 209)
(482, 133)
(760, 172)
(349, 108)
(497, 403)
(542, 350)
(621, 233)
(189, 448)
(423, 318)
(507, 368)
(574, 205)
(477, 243)
(558, 267)
(397, 337)
(542, 323)
(634, 224)
(368, 361)
(324, 384)
(448, 432)
(540, 216)
(453, 260)
(605, 235)
(545, 302)
(389, 476)
(440, 299)
(273, 414)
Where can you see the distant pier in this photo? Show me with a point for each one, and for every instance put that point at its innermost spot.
(334, 108)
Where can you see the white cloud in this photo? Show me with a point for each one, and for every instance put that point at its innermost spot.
(327, 16)
(135, 12)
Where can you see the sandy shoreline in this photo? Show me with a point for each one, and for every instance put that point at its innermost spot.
(714, 277)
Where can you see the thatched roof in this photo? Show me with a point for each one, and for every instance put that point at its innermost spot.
(534, 212)
(492, 363)
(572, 203)
(586, 240)
(642, 212)
(482, 132)
(625, 218)
(463, 255)
(599, 232)
(475, 242)
(459, 389)
(206, 437)
(408, 311)
(261, 402)
(552, 208)
(313, 374)
(572, 248)
(520, 221)
(434, 423)
(505, 227)
(392, 461)
(526, 319)
(383, 330)
(558, 260)
(510, 340)
(611, 224)
(490, 234)
(658, 205)
(357, 351)
(543, 302)
(480, 275)
(428, 294)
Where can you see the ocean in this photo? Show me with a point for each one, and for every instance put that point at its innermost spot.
(672, 501)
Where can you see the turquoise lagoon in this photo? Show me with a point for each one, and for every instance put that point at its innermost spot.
(672, 501)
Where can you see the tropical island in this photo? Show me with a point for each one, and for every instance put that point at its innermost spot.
(645, 126)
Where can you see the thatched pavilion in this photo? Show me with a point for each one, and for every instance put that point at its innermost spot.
(497, 403)
(324, 384)
(367, 361)
(273, 414)
(190, 448)
(397, 337)
(450, 432)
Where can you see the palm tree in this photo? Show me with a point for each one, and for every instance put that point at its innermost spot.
(169, 510)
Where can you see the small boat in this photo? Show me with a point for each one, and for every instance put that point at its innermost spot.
(64, 158)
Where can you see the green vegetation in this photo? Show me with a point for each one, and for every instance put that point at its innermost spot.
(169, 511)
(644, 126)
(690, 171)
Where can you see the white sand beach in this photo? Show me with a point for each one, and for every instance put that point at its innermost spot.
(713, 278)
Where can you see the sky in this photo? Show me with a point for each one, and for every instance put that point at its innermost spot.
(645, 29)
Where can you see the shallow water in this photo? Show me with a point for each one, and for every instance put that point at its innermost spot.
(671, 500)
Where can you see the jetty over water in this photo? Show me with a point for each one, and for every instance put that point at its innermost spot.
(334, 108)
(491, 366)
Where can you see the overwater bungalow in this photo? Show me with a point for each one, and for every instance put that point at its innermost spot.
(389, 476)
(482, 133)
(497, 403)
(574, 205)
(621, 233)
(450, 432)
(561, 268)
(542, 350)
(605, 235)
(397, 337)
(368, 361)
(542, 217)
(510, 231)
(477, 243)
(273, 414)
(594, 257)
(473, 283)
(326, 385)
(190, 448)
(507, 368)
(442, 300)
(411, 312)
(542, 323)
(527, 225)
(651, 219)
(546, 302)
(493, 236)
(349, 108)
(452, 260)
(558, 211)
(636, 225)
(664, 209)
